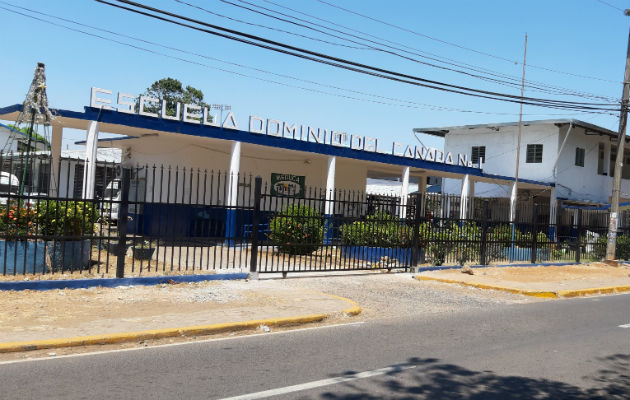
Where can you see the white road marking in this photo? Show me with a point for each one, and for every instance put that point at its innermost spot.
(192, 341)
(625, 326)
(320, 383)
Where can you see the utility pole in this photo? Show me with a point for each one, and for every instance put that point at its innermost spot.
(514, 194)
(621, 142)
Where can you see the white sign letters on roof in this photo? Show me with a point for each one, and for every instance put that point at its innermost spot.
(194, 114)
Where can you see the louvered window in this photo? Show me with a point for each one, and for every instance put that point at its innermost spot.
(478, 152)
(534, 153)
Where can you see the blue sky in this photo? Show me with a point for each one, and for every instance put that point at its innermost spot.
(582, 37)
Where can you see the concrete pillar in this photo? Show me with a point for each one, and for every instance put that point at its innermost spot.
(404, 192)
(607, 148)
(232, 193)
(235, 164)
(55, 153)
(329, 207)
(89, 170)
(422, 188)
(513, 199)
(422, 184)
(464, 197)
(471, 199)
(553, 213)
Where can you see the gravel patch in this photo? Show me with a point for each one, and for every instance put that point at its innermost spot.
(215, 293)
(398, 295)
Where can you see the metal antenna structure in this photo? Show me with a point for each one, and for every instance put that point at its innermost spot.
(34, 112)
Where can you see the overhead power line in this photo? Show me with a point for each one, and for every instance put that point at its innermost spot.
(264, 43)
(405, 103)
(461, 46)
(493, 76)
(609, 5)
(396, 47)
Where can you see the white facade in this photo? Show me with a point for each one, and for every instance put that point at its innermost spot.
(590, 183)
(14, 141)
(215, 156)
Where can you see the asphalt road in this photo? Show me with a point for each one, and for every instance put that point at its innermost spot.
(566, 349)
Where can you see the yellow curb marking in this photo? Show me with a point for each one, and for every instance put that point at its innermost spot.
(10, 347)
(586, 292)
(352, 311)
(561, 293)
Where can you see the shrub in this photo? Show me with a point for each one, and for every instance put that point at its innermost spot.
(503, 234)
(298, 229)
(378, 230)
(17, 221)
(463, 241)
(67, 218)
(622, 249)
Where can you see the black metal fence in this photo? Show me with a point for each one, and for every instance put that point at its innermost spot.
(159, 219)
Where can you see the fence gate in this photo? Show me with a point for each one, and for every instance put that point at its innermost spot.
(159, 220)
(300, 229)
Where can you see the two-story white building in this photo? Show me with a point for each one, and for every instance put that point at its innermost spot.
(575, 156)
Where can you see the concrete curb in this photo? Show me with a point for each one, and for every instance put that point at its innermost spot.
(549, 264)
(114, 282)
(11, 347)
(534, 293)
(352, 311)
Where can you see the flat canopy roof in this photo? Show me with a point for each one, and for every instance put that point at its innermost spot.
(441, 132)
(134, 125)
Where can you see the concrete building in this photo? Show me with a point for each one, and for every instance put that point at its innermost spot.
(318, 157)
(576, 158)
(15, 141)
(71, 171)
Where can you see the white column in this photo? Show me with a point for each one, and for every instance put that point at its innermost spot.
(422, 184)
(55, 152)
(464, 197)
(329, 207)
(235, 163)
(607, 150)
(89, 171)
(471, 199)
(553, 213)
(513, 198)
(404, 192)
(422, 188)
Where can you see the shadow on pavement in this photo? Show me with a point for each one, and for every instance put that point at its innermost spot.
(434, 380)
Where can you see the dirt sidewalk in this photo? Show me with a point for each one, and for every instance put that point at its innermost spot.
(38, 315)
(552, 279)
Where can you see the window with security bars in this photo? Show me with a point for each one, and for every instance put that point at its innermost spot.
(579, 156)
(601, 156)
(534, 153)
(478, 152)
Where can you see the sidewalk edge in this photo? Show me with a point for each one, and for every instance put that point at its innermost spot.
(11, 347)
(534, 293)
(115, 282)
(155, 334)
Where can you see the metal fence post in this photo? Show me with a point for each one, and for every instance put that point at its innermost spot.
(253, 261)
(123, 213)
(483, 251)
(534, 234)
(578, 233)
(415, 240)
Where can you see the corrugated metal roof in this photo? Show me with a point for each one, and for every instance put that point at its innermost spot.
(442, 131)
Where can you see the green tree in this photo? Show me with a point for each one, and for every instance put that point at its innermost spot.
(173, 91)
(36, 137)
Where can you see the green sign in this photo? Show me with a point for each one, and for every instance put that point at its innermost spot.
(287, 185)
